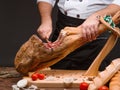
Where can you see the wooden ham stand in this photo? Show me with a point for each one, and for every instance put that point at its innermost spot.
(93, 69)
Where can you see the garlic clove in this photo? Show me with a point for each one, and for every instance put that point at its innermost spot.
(22, 83)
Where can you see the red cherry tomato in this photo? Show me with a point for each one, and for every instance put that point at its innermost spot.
(41, 76)
(84, 86)
(34, 76)
(103, 88)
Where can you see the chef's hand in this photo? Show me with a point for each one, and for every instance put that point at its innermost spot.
(90, 28)
(45, 30)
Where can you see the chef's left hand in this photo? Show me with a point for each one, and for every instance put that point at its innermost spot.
(90, 28)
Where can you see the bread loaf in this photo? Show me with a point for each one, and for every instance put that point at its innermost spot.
(104, 76)
(115, 82)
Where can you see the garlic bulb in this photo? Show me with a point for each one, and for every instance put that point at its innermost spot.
(22, 83)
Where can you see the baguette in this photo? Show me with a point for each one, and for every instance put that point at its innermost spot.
(103, 77)
(115, 82)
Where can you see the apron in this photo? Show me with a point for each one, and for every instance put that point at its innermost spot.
(81, 58)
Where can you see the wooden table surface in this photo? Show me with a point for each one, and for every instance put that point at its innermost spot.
(9, 76)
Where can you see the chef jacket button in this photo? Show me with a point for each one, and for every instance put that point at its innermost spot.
(80, 0)
(78, 16)
(65, 13)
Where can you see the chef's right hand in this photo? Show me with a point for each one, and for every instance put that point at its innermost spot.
(45, 30)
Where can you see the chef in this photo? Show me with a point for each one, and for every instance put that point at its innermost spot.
(77, 13)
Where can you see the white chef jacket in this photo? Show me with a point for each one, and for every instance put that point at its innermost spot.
(81, 8)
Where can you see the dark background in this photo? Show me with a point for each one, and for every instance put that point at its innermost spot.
(19, 19)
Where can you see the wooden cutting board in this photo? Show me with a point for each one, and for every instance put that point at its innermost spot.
(60, 78)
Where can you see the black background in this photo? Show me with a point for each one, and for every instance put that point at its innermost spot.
(19, 19)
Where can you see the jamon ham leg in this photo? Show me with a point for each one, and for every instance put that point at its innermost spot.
(35, 54)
